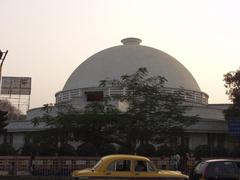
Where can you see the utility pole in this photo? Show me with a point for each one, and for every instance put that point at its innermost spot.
(2, 58)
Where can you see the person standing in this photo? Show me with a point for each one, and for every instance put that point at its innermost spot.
(175, 161)
(178, 158)
(186, 157)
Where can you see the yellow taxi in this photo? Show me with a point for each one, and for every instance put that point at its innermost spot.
(126, 167)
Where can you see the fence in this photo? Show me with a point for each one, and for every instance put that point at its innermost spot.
(62, 166)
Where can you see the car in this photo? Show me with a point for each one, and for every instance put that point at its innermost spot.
(126, 167)
(215, 169)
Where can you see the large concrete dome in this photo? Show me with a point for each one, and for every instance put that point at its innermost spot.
(113, 62)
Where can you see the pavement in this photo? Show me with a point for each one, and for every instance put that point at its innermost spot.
(34, 178)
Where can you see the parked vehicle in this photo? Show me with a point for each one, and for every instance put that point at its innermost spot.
(215, 169)
(126, 167)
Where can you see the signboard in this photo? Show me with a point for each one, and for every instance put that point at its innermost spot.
(234, 127)
(16, 85)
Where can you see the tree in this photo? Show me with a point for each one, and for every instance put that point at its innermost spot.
(13, 112)
(59, 129)
(47, 149)
(7, 150)
(66, 150)
(152, 115)
(29, 149)
(96, 124)
(91, 126)
(232, 83)
(86, 149)
(146, 150)
(164, 150)
(106, 149)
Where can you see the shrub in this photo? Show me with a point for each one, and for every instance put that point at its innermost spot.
(146, 150)
(46, 149)
(29, 149)
(66, 150)
(7, 149)
(107, 149)
(86, 149)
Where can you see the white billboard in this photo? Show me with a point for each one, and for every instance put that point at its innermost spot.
(16, 85)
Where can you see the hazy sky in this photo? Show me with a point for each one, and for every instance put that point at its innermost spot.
(48, 39)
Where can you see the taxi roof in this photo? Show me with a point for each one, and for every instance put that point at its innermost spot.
(124, 156)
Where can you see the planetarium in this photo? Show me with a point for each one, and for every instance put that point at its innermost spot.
(82, 87)
(113, 62)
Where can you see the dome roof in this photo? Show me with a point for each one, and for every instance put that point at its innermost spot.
(113, 62)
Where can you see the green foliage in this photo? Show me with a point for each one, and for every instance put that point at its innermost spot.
(106, 149)
(93, 125)
(13, 112)
(66, 150)
(59, 128)
(7, 150)
(46, 149)
(45, 142)
(152, 114)
(164, 150)
(86, 149)
(232, 83)
(146, 150)
(42, 137)
(29, 149)
(94, 128)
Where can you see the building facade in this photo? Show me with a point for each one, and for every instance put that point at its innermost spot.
(82, 87)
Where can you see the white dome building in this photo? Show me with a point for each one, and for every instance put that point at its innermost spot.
(113, 62)
(82, 87)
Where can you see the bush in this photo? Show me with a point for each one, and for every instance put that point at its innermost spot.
(164, 150)
(107, 149)
(45, 149)
(146, 150)
(29, 149)
(202, 151)
(7, 150)
(86, 149)
(66, 150)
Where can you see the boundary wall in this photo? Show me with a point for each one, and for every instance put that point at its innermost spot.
(63, 166)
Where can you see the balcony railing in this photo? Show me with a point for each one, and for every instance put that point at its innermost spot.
(188, 95)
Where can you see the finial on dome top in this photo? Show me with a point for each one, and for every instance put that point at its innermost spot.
(131, 41)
